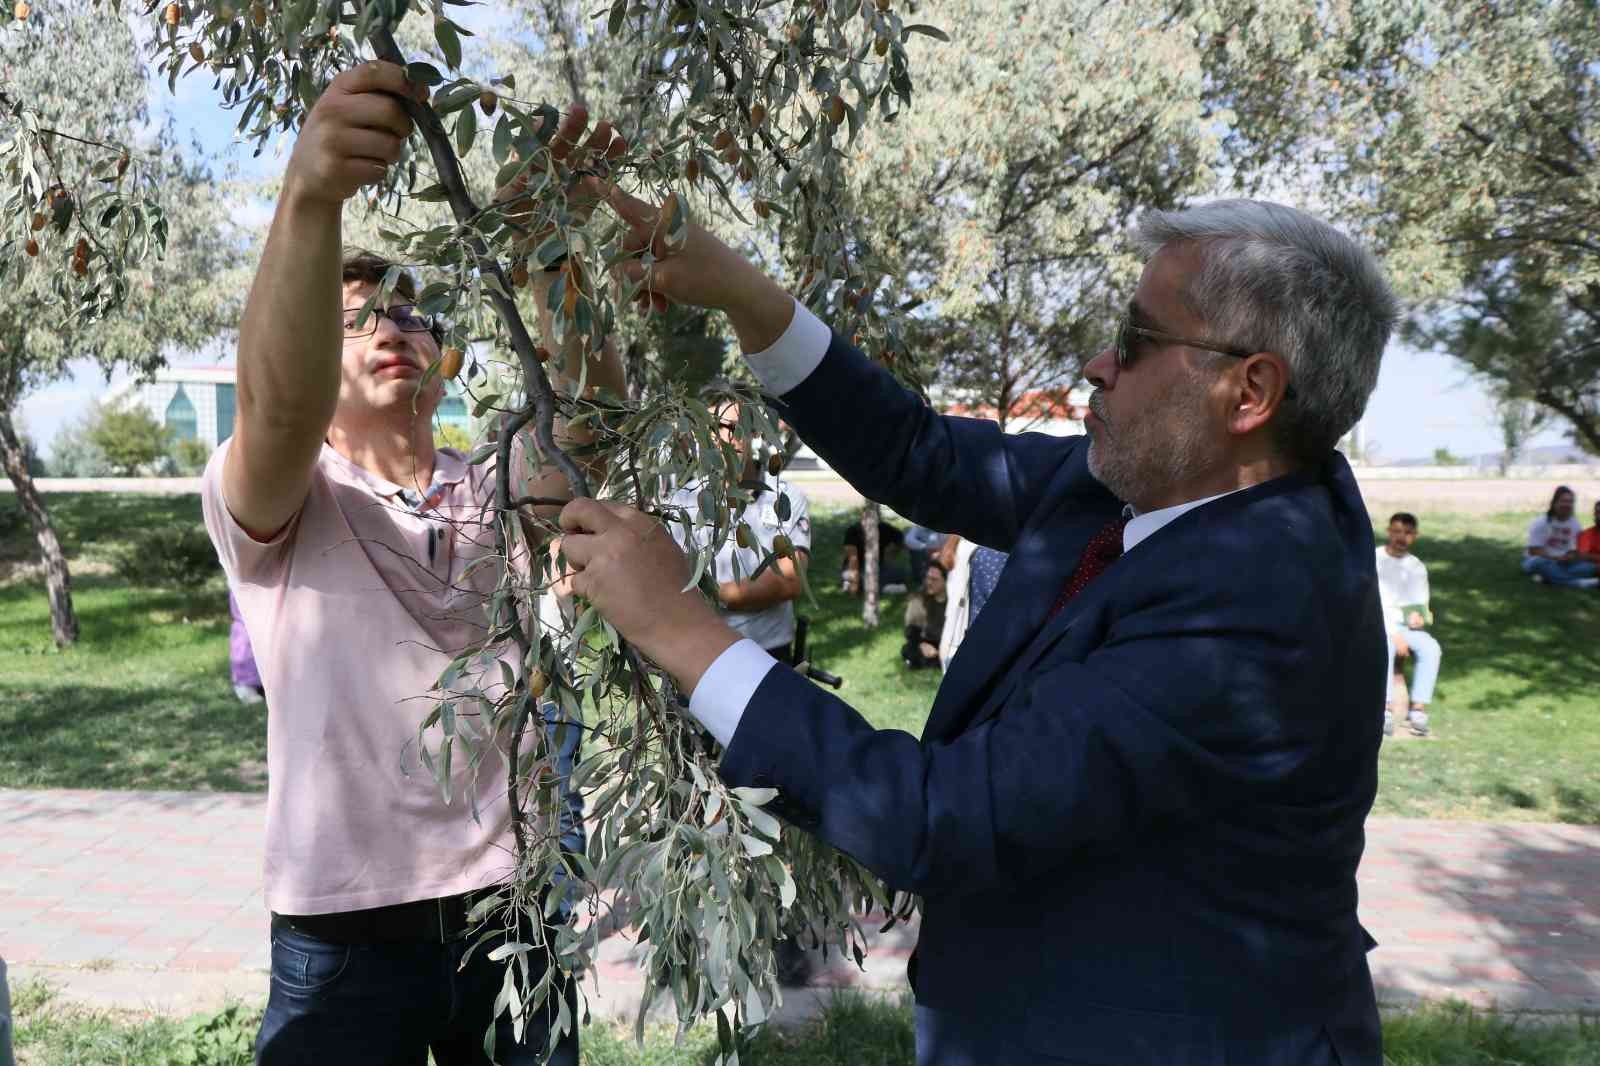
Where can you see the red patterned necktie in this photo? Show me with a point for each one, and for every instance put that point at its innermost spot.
(1103, 549)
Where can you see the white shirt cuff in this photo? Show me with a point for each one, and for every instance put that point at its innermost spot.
(793, 356)
(724, 691)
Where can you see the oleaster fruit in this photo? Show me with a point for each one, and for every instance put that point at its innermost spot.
(450, 362)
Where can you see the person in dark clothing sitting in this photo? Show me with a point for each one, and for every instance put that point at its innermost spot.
(925, 620)
(891, 548)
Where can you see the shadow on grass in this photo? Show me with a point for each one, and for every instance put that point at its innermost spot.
(1492, 615)
(89, 523)
(112, 615)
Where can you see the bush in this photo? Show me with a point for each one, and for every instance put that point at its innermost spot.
(73, 454)
(130, 438)
(179, 556)
(452, 437)
(189, 457)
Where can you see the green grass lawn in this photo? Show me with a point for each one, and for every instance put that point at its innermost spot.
(144, 700)
(851, 1032)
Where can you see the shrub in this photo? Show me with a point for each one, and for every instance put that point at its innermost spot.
(179, 556)
(72, 454)
(189, 456)
(129, 437)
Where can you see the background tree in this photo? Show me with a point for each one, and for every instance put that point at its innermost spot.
(130, 438)
(1463, 139)
(1519, 419)
(997, 213)
(116, 247)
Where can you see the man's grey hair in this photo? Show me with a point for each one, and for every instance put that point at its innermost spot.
(1274, 279)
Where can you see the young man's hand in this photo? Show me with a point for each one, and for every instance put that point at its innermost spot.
(353, 134)
(1401, 645)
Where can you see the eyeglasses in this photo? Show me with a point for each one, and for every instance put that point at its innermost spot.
(404, 316)
(1125, 350)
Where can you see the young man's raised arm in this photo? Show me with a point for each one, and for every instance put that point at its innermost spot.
(290, 336)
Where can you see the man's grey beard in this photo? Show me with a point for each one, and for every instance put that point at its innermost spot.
(1143, 457)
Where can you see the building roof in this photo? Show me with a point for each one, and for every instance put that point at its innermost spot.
(1052, 405)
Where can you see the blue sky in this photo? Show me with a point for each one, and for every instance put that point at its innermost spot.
(1424, 400)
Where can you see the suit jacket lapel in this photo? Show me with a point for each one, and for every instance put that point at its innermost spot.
(1040, 563)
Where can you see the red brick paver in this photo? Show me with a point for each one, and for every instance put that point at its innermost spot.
(153, 899)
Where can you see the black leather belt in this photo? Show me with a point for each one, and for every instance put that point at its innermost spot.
(425, 921)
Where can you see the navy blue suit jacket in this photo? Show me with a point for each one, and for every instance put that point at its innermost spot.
(1135, 826)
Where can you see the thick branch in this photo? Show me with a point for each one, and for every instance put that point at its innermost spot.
(465, 211)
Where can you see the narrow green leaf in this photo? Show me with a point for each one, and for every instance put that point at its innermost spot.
(449, 42)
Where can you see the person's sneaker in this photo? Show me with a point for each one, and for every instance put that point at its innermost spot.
(1538, 579)
(1418, 721)
(249, 694)
(1388, 723)
(1588, 582)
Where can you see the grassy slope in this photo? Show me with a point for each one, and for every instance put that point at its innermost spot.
(144, 701)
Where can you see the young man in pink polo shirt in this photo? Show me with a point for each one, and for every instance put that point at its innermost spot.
(349, 542)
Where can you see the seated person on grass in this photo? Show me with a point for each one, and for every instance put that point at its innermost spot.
(925, 620)
(1589, 540)
(891, 545)
(1552, 555)
(1403, 588)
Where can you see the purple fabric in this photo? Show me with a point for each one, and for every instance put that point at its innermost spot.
(241, 660)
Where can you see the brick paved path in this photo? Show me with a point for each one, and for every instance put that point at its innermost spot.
(152, 899)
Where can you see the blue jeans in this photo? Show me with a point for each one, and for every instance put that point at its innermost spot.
(1425, 655)
(1559, 573)
(5, 1018)
(389, 1004)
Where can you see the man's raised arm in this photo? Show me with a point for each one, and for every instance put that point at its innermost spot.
(290, 336)
(950, 474)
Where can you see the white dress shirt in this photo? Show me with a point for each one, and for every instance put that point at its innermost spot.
(725, 689)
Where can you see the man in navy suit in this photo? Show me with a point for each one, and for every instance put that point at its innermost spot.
(1135, 814)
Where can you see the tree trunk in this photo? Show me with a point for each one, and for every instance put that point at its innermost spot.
(63, 620)
(869, 565)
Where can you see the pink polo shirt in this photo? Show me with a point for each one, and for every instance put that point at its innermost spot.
(353, 618)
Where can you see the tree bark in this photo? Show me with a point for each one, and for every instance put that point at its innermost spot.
(869, 564)
(63, 620)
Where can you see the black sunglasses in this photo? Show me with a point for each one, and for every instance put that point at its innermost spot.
(1125, 353)
(404, 316)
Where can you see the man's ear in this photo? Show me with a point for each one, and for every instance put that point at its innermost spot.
(1261, 384)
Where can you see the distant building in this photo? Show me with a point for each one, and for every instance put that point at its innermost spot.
(198, 402)
(1058, 412)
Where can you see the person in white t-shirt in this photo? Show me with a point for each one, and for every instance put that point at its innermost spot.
(1403, 588)
(762, 608)
(1552, 554)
